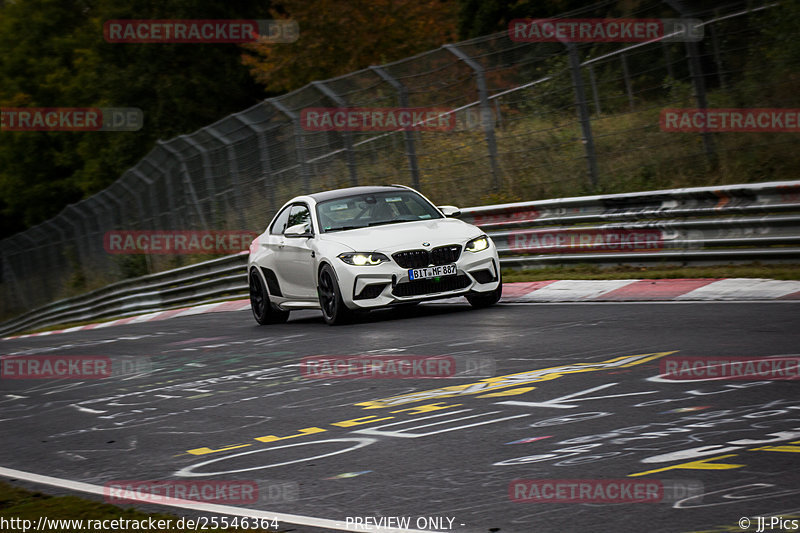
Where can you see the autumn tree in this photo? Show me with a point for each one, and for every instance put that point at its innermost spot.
(339, 37)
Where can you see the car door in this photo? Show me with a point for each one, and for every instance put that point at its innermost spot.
(295, 267)
(267, 252)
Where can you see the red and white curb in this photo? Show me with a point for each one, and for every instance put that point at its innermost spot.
(624, 290)
(649, 290)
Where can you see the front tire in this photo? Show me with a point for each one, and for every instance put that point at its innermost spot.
(486, 299)
(334, 311)
(263, 310)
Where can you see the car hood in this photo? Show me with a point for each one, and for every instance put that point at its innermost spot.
(391, 238)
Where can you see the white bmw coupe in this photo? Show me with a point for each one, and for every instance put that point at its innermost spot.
(367, 247)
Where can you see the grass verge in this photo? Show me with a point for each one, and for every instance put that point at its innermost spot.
(754, 270)
(18, 504)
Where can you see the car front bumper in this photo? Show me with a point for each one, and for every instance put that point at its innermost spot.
(369, 287)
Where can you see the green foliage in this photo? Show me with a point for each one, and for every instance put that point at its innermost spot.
(132, 266)
(52, 54)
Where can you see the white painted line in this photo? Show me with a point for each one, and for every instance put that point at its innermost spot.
(205, 507)
(103, 324)
(194, 310)
(574, 290)
(742, 289)
(145, 318)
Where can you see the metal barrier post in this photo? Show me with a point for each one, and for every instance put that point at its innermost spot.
(153, 199)
(717, 54)
(299, 141)
(82, 250)
(212, 192)
(346, 135)
(486, 111)
(136, 197)
(233, 167)
(627, 77)
(595, 94)
(187, 180)
(9, 277)
(668, 60)
(263, 154)
(402, 100)
(698, 81)
(583, 112)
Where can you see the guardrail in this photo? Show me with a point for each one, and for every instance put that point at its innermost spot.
(701, 225)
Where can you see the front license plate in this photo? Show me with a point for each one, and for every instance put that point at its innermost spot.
(432, 272)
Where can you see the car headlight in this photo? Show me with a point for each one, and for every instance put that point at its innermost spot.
(363, 259)
(477, 244)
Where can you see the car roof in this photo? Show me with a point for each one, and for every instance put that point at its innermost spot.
(353, 191)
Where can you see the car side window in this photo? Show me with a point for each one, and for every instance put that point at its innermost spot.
(279, 226)
(299, 215)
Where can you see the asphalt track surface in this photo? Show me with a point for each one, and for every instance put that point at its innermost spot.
(219, 383)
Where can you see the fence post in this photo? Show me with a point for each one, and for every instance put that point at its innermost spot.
(668, 60)
(233, 168)
(9, 277)
(402, 100)
(717, 54)
(136, 197)
(595, 93)
(59, 258)
(142, 214)
(346, 135)
(263, 153)
(103, 213)
(299, 141)
(187, 180)
(626, 75)
(120, 211)
(28, 264)
(698, 81)
(170, 192)
(92, 227)
(153, 200)
(82, 250)
(486, 111)
(583, 112)
(212, 191)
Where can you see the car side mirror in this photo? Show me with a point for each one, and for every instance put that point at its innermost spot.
(450, 210)
(298, 230)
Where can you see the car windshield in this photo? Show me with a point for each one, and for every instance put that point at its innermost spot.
(373, 209)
